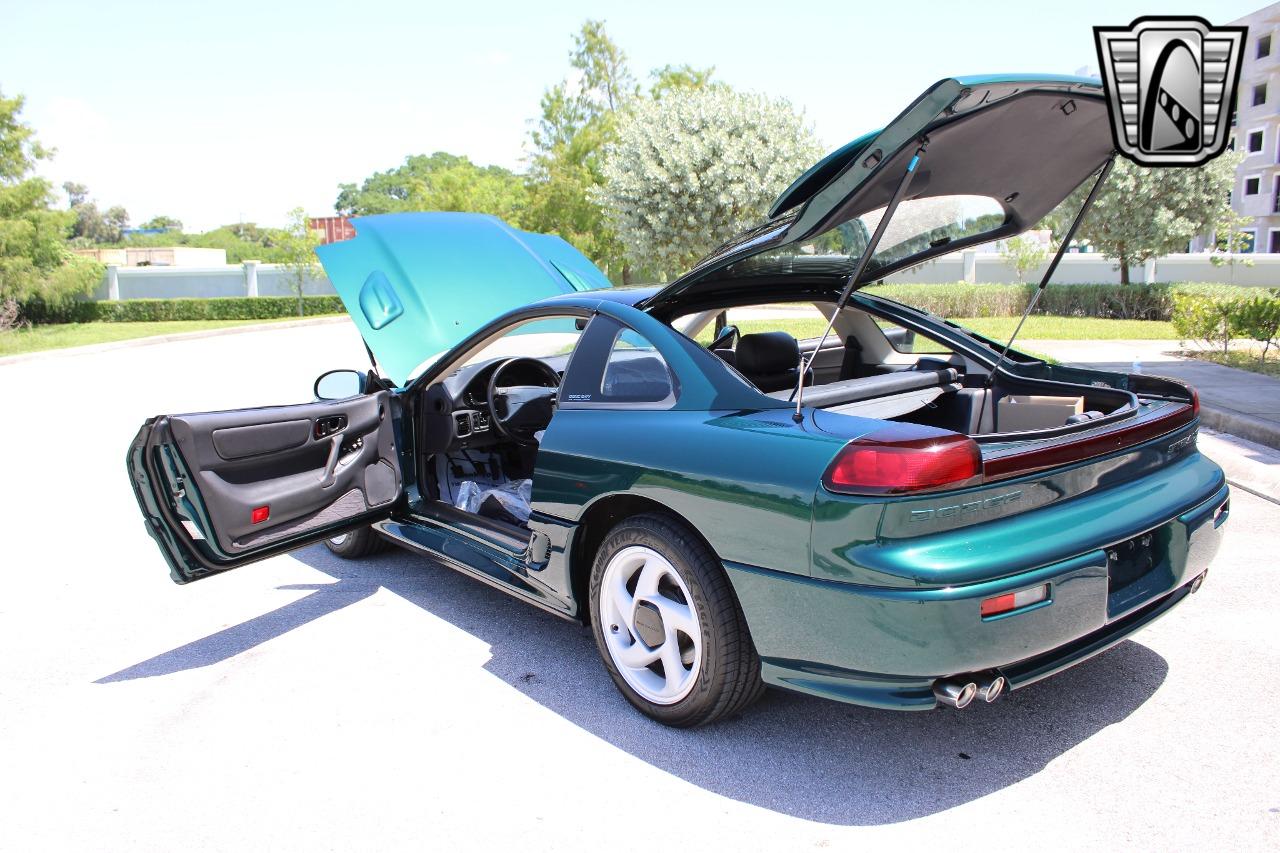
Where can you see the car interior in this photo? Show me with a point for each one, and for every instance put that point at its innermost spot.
(871, 367)
(480, 426)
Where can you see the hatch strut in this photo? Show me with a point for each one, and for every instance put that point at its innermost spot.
(1048, 273)
(851, 283)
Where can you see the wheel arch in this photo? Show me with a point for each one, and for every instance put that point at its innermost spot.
(600, 517)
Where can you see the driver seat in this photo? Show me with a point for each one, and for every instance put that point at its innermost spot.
(771, 360)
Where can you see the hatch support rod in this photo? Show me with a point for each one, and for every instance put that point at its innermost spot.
(1053, 266)
(851, 283)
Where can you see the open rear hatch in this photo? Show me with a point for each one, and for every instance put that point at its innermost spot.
(972, 160)
(995, 155)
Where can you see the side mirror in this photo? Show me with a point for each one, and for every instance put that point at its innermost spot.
(339, 385)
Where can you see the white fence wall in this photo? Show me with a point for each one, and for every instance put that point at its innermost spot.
(180, 282)
(1259, 270)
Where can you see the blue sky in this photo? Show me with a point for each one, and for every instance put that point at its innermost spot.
(226, 110)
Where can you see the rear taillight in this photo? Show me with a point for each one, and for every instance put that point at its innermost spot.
(1195, 401)
(901, 463)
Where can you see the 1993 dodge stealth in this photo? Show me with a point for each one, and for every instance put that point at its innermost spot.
(898, 513)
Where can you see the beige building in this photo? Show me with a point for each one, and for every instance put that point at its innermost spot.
(1257, 129)
(166, 256)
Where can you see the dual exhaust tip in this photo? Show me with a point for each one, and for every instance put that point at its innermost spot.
(960, 691)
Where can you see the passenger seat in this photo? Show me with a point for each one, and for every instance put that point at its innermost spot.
(771, 360)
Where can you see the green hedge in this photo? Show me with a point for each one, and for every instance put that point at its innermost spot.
(144, 310)
(1107, 301)
(1215, 315)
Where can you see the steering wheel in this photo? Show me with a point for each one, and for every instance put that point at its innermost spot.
(727, 334)
(519, 411)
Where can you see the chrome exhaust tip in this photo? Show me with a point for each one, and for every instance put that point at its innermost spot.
(1198, 582)
(991, 686)
(955, 693)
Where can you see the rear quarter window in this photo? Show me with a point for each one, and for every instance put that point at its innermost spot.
(617, 366)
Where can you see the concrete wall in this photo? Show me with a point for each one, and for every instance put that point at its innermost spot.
(273, 279)
(186, 282)
(1091, 268)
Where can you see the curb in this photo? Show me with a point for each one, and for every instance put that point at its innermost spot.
(1243, 426)
(177, 336)
(1249, 466)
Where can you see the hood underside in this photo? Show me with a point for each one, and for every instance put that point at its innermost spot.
(416, 284)
(996, 155)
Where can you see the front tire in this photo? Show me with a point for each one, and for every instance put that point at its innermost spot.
(668, 626)
(355, 544)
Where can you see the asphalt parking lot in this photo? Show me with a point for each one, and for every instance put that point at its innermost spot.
(308, 703)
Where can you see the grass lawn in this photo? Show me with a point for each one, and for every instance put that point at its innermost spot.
(1038, 327)
(62, 335)
(1241, 360)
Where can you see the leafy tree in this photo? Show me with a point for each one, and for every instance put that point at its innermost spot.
(1023, 254)
(440, 181)
(77, 194)
(697, 167)
(297, 244)
(566, 146)
(93, 226)
(35, 264)
(162, 223)
(606, 79)
(1143, 213)
(673, 78)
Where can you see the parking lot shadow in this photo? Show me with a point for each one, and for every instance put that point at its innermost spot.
(797, 755)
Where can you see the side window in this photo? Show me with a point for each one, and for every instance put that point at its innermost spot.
(910, 341)
(616, 365)
(634, 371)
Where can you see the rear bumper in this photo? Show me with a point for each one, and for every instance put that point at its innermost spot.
(885, 646)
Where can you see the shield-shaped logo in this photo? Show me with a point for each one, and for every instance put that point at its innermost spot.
(1171, 86)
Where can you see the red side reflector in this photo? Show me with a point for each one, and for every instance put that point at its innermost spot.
(1015, 600)
(893, 465)
(261, 514)
(999, 604)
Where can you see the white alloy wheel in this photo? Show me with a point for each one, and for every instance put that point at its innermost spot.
(650, 626)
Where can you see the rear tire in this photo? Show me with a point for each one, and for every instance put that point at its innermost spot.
(355, 544)
(668, 626)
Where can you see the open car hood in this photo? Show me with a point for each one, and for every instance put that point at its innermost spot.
(416, 284)
(1022, 143)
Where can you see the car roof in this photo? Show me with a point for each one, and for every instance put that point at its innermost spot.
(624, 295)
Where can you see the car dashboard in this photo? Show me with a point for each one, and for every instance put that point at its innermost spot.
(471, 417)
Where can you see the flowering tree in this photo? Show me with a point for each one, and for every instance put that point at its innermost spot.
(695, 167)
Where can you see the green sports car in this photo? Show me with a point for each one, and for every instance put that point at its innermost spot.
(896, 512)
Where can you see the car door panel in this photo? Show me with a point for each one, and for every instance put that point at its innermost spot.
(239, 442)
(232, 487)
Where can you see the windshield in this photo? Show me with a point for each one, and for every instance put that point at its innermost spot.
(917, 225)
